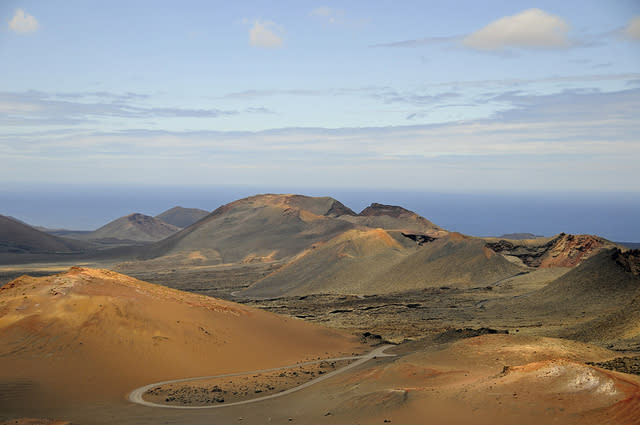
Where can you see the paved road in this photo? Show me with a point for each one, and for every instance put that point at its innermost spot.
(136, 395)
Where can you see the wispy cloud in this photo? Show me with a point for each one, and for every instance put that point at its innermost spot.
(573, 126)
(40, 108)
(415, 98)
(23, 23)
(420, 42)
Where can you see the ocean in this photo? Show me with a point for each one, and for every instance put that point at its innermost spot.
(614, 216)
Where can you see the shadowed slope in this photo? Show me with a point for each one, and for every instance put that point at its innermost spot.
(17, 237)
(94, 334)
(598, 285)
(182, 217)
(620, 287)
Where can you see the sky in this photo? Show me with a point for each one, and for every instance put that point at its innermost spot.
(469, 96)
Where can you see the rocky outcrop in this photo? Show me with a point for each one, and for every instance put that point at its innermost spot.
(339, 209)
(562, 251)
(419, 239)
(629, 260)
(376, 209)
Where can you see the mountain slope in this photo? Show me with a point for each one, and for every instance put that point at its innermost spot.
(345, 264)
(601, 285)
(95, 334)
(18, 237)
(258, 228)
(454, 260)
(599, 282)
(133, 227)
(374, 262)
(182, 217)
(391, 217)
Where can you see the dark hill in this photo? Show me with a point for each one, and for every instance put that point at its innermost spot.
(182, 217)
(391, 217)
(133, 227)
(18, 237)
(600, 285)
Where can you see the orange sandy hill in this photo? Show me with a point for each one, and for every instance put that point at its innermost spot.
(490, 380)
(95, 334)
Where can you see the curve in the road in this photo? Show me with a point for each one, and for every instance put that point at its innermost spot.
(136, 395)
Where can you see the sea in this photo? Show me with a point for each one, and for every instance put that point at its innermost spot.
(615, 216)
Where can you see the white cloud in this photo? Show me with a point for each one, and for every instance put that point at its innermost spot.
(532, 28)
(632, 31)
(23, 23)
(265, 34)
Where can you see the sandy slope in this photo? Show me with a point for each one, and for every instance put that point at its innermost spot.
(374, 262)
(492, 379)
(346, 264)
(94, 335)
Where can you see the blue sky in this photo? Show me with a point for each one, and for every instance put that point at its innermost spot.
(496, 95)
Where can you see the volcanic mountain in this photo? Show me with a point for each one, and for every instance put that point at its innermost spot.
(133, 228)
(377, 262)
(345, 264)
(391, 217)
(182, 217)
(600, 282)
(18, 237)
(259, 228)
(96, 334)
(597, 301)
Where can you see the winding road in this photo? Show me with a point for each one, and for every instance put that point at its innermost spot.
(136, 395)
